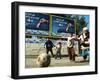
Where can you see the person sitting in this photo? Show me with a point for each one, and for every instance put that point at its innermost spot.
(84, 41)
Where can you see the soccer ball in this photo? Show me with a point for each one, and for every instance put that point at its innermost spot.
(43, 60)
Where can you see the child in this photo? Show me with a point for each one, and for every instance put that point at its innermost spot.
(58, 52)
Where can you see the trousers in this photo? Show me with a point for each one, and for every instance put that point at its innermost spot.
(71, 53)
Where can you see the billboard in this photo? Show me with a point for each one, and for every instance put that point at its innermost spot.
(36, 21)
(62, 25)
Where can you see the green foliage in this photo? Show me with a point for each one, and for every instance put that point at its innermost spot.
(79, 22)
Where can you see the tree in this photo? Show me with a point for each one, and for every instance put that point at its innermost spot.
(80, 22)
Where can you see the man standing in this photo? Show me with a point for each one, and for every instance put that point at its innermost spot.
(49, 45)
(70, 48)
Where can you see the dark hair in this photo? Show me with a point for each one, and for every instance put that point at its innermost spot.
(59, 42)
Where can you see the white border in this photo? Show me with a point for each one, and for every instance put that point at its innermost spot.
(53, 70)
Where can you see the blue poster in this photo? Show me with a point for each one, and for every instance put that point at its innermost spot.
(36, 21)
(62, 25)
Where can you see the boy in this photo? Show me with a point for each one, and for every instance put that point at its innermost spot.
(58, 52)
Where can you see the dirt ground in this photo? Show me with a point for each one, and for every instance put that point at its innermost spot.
(33, 50)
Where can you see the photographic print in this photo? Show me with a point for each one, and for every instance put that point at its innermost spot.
(53, 40)
(55, 44)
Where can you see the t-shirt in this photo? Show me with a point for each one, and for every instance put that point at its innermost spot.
(70, 42)
(58, 46)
